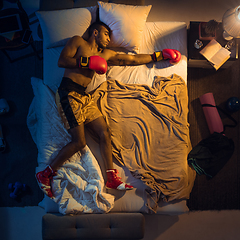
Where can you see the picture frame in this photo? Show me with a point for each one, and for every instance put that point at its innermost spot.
(202, 33)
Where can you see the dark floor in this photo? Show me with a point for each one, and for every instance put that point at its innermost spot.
(20, 159)
(223, 191)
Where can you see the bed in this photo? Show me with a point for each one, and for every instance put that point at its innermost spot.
(145, 106)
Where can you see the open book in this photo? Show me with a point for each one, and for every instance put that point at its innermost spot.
(215, 54)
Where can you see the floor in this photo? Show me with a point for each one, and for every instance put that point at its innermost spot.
(19, 223)
(207, 225)
(25, 223)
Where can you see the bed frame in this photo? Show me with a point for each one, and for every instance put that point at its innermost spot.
(95, 226)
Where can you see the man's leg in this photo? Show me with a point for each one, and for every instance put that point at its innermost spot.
(100, 127)
(78, 142)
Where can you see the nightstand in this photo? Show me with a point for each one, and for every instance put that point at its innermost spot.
(195, 59)
(17, 42)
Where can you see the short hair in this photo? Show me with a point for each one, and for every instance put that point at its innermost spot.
(98, 25)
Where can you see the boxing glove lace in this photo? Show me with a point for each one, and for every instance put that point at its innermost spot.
(96, 63)
(172, 54)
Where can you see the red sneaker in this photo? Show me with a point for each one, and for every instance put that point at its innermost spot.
(44, 179)
(114, 182)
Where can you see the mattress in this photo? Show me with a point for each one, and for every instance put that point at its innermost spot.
(49, 134)
(156, 36)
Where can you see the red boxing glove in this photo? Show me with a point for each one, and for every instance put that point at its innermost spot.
(172, 54)
(96, 63)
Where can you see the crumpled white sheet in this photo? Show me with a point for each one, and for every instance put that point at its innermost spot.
(78, 185)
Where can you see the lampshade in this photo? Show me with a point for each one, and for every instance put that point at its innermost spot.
(231, 22)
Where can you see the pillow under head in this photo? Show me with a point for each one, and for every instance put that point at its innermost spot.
(127, 23)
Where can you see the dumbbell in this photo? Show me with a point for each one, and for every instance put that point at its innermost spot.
(17, 189)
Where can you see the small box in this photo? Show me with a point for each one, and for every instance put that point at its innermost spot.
(202, 33)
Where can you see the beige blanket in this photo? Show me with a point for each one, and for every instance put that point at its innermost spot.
(150, 134)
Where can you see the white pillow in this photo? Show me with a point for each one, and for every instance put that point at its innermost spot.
(60, 25)
(126, 22)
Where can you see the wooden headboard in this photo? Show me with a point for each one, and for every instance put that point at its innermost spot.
(48, 5)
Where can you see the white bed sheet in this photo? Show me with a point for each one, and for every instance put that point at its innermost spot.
(157, 36)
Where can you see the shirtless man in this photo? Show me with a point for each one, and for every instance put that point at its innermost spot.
(81, 59)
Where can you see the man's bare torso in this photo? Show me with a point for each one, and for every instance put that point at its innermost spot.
(83, 76)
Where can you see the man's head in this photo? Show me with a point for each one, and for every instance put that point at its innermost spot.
(101, 33)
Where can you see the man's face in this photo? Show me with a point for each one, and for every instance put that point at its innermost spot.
(103, 38)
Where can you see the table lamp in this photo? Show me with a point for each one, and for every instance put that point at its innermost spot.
(231, 23)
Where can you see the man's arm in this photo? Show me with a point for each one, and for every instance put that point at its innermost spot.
(129, 60)
(139, 59)
(67, 57)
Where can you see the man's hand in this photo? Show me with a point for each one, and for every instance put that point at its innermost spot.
(172, 54)
(96, 63)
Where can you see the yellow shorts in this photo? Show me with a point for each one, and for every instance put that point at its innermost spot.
(75, 106)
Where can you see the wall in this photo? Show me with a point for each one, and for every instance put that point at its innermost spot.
(188, 10)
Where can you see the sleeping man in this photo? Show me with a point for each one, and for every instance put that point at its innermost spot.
(81, 59)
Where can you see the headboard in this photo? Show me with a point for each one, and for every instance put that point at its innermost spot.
(48, 5)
